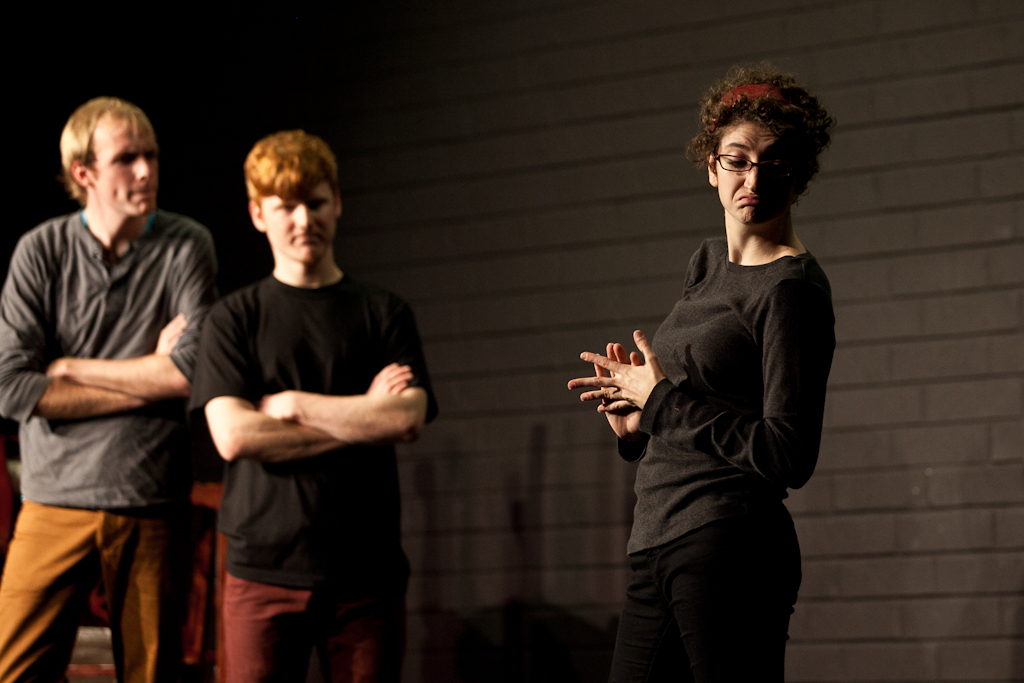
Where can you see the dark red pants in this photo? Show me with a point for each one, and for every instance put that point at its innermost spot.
(270, 632)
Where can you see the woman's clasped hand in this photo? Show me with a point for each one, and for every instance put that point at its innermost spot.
(622, 383)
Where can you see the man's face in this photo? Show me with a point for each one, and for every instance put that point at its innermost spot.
(124, 176)
(299, 231)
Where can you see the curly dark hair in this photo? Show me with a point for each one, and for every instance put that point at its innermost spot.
(800, 123)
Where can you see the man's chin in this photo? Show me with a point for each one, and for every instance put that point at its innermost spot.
(144, 208)
(310, 255)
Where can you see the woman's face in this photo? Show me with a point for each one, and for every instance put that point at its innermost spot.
(753, 196)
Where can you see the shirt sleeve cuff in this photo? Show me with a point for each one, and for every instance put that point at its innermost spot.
(26, 395)
(653, 405)
(631, 451)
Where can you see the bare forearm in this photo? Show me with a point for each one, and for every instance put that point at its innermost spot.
(240, 431)
(369, 419)
(66, 400)
(152, 377)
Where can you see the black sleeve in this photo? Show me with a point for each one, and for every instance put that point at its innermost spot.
(224, 366)
(401, 342)
(796, 336)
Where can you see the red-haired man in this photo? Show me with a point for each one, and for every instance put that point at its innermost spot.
(307, 378)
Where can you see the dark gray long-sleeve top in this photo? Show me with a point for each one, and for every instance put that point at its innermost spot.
(747, 351)
(61, 299)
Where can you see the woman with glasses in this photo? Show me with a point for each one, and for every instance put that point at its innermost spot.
(724, 410)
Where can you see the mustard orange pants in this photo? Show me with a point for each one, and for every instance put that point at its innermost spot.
(56, 557)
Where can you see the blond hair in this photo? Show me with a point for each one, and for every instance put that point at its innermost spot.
(76, 138)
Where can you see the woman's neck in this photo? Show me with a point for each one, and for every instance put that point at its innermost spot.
(760, 243)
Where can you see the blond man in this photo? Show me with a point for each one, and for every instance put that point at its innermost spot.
(99, 322)
(307, 378)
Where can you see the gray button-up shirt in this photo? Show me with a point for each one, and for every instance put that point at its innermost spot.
(62, 299)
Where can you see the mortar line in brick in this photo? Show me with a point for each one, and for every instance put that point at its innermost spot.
(592, 243)
(511, 334)
(520, 372)
(666, 151)
(925, 250)
(544, 328)
(904, 513)
(883, 598)
(525, 370)
(567, 288)
(940, 421)
(688, 106)
(913, 165)
(905, 468)
(607, 204)
(666, 70)
(700, 191)
(547, 412)
(642, 197)
(597, 41)
(935, 555)
(569, 247)
(568, 124)
(911, 425)
(929, 118)
(951, 336)
(779, 53)
(421, 30)
(911, 640)
(627, 38)
(927, 296)
(926, 381)
(636, 198)
(361, 157)
(912, 510)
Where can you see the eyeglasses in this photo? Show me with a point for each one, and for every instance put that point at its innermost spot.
(774, 167)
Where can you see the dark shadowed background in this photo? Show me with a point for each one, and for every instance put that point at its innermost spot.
(515, 170)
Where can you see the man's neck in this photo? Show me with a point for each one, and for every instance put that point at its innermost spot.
(312, 276)
(114, 232)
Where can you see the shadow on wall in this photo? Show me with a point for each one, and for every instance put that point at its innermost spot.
(1018, 667)
(527, 639)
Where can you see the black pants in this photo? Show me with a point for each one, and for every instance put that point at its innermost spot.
(713, 605)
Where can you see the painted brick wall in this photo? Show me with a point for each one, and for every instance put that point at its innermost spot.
(516, 171)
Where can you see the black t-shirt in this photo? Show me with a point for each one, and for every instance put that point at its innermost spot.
(333, 518)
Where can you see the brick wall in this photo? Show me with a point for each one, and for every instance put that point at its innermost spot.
(516, 171)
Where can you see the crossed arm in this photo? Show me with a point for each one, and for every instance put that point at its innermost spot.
(90, 387)
(296, 424)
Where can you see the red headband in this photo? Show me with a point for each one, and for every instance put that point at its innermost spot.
(751, 91)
